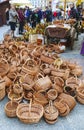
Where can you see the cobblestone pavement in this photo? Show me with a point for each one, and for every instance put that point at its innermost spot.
(74, 121)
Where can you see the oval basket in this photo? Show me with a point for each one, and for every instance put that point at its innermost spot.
(10, 108)
(52, 94)
(28, 113)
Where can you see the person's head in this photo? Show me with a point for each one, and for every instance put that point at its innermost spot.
(13, 7)
(72, 5)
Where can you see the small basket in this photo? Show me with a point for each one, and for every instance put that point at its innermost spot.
(52, 94)
(15, 97)
(10, 108)
(50, 113)
(46, 59)
(17, 89)
(29, 113)
(80, 92)
(2, 89)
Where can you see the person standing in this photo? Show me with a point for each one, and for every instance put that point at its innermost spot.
(7, 16)
(21, 19)
(13, 15)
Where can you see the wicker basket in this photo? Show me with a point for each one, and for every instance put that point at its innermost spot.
(29, 113)
(43, 83)
(30, 67)
(15, 97)
(10, 108)
(69, 100)
(59, 81)
(58, 88)
(17, 89)
(50, 113)
(80, 92)
(62, 107)
(40, 97)
(2, 89)
(80, 100)
(4, 67)
(52, 94)
(46, 59)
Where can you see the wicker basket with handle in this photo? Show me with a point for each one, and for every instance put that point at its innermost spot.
(2, 89)
(29, 113)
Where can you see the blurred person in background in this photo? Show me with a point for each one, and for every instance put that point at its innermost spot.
(7, 16)
(21, 19)
(48, 14)
(27, 14)
(13, 16)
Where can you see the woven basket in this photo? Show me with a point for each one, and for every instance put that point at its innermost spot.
(17, 89)
(29, 113)
(60, 73)
(50, 113)
(58, 88)
(80, 92)
(40, 97)
(30, 67)
(59, 81)
(69, 100)
(43, 83)
(24, 53)
(10, 108)
(46, 59)
(80, 100)
(77, 71)
(62, 107)
(28, 94)
(52, 94)
(2, 89)
(15, 97)
(4, 67)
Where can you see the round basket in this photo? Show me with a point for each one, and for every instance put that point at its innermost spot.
(28, 95)
(10, 108)
(4, 67)
(50, 113)
(52, 94)
(28, 113)
(80, 100)
(17, 89)
(15, 97)
(2, 89)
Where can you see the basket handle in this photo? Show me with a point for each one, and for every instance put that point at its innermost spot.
(39, 74)
(50, 106)
(5, 61)
(30, 106)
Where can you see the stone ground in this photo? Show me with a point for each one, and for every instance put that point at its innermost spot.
(74, 121)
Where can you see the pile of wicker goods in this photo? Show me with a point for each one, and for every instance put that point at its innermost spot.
(52, 85)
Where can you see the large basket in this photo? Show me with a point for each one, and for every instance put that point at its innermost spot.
(2, 89)
(29, 113)
(4, 67)
(10, 108)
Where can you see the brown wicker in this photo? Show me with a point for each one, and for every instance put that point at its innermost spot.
(52, 94)
(4, 67)
(80, 92)
(58, 88)
(69, 100)
(59, 81)
(80, 100)
(11, 75)
(30, 67)
(2, 89)
(62, 107)
(10, 108)
(28, 95)
(46, 59)
(29, 113)
(17, 89)
(50, 113)
(43, 84)
(8, 81)
(40, 97)
(77, 71)
(60, 73)
(15, 97)
(24, 53)
(70, 89)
